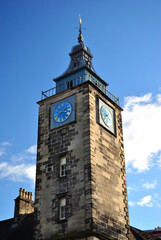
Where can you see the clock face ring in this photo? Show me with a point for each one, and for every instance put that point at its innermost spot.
(62, 112)
(106, 116)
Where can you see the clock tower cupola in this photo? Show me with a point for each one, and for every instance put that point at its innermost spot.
(80, 68)
(80, 175)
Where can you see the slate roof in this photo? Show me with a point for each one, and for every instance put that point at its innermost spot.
(21, 231)
(136, 234)
(24, 230)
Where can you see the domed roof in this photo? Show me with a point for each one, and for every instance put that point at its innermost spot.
(80, 47)
(80, 57)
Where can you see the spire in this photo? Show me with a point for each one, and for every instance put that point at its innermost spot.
(80, 37)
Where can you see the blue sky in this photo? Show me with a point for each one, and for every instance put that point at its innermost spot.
(124, 37)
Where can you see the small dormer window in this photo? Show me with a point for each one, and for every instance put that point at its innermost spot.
(75, 63)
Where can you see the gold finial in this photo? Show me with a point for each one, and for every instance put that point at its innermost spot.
(80, 37)
(80, 20)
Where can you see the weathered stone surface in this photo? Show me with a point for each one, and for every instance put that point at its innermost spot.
(23, 204)
(95, 184)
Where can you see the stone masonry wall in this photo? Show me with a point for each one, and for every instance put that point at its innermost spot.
(72, 140)
(109, 193)
(23, 204)
(95, 184)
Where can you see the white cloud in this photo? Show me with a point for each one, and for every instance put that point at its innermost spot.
(19, 157)
(134, 188)
(30, 172)
(131, 204)
(3, 146)
(26, 154)
(159, 161)
(19, 167)
(150, 185)
(3, 165)
(129, 170)
(2, 152)
(129, 101)
(6, 144)
(159, 98)
(145, 201)
(142, 130)
(157, 200)
(17, 173)
(139, 187)
(32, 149)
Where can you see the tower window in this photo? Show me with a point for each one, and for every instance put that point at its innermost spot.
(70, 84)
(63, 167)
(62, 207)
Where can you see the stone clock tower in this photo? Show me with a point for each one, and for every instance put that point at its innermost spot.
(80, 178)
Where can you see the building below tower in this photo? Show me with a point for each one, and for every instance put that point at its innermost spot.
(24, 230)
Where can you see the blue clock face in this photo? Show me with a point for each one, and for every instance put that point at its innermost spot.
(62, 112)
(106, 116)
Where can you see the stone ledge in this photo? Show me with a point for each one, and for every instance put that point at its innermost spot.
(80, 235)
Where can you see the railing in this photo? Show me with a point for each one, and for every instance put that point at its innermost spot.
(112, 97)
(75, 82)
(50, 92)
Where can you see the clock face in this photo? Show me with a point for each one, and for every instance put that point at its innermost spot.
(106, 116)
(62, 112)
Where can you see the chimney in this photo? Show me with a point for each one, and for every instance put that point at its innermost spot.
(23, 204)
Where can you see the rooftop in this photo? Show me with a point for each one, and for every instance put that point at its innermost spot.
(25, 230)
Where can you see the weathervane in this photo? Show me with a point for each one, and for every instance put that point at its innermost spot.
(80, 37)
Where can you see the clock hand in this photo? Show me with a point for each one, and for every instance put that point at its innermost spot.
(60, 113)
(106, 116)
